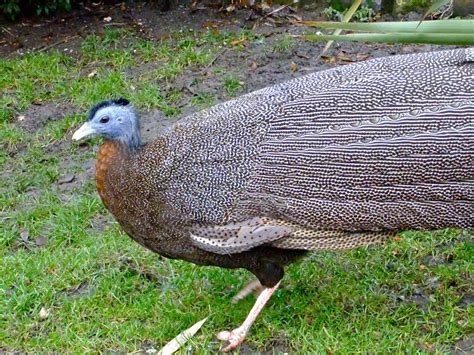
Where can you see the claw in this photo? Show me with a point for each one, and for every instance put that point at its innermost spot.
(234, 338)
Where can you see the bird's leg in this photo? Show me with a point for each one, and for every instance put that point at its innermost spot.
(237, 336)
(252, 287)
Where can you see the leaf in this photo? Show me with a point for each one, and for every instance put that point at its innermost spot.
(41, 241)
(242, 41)
(181, 339)
(24, 235)
(66, 179)
(92, 74)
(329, 59)
(439, 26)
(344, 57)
(355, 5)
(434, 6)
(431, 38)
(44, 313)
(361, 56)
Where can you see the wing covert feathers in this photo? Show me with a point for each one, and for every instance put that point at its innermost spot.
(238, 237)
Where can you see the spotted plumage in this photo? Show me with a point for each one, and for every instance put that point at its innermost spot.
(332, 160)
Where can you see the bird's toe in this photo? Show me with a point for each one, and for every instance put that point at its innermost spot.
(234, 338)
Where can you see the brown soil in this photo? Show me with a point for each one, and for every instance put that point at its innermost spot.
(66, 31)
(38, 115)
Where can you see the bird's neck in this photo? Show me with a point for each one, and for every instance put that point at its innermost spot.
(112, 154)
(131, 139)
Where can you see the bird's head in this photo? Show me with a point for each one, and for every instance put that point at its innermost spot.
(113, 120)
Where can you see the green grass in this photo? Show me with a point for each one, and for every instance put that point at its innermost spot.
(357, 301)
(232, 85)
(285, 43)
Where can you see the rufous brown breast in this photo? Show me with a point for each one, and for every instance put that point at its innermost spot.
(109, 154)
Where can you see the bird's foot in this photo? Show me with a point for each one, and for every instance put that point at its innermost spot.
(234, 338)
(237, 336)
(252, 287)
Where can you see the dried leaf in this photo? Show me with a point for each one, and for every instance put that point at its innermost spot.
(16, 44)
(361, 56)
(24, 234)
(263, 5)
(293, 66)
(66, 179)
(328, 59)
(302, 55)
(211, 24)
(254, 65)
(181, 339)
(92, 74)
(41, 241)
(344, 57)
(239, 41)
(296, 18)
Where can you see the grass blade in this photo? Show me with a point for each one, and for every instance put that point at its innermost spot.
(181, 339)
(355, 5)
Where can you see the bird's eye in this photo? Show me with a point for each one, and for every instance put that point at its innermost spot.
(104, 119)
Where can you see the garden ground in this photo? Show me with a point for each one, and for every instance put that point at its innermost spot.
(72, 281)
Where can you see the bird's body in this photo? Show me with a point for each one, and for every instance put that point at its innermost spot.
(335, 159)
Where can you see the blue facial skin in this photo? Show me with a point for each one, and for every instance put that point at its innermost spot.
(114, 120)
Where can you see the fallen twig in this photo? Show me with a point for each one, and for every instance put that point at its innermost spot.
(8, 31)
(45, 48)
(216, 57)
(276, 10)
(118, 24)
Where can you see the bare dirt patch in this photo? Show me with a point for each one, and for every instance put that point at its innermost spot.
(38, 115)
(154, 122)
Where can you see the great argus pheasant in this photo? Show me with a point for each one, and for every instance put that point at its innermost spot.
(332, 160)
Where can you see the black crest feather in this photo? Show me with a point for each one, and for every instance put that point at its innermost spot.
(121, 101)
(118, 102)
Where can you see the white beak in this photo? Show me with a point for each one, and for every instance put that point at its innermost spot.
(85, 131)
